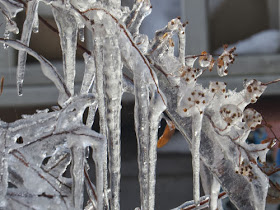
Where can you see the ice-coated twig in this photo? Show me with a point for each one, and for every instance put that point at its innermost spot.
(3, 169)
(204, 202)
(77, 173)
(68, 29)
(47, 68)
(196, 129)
(215, 189)
(140, 10)
(91, 190)
(32, 7)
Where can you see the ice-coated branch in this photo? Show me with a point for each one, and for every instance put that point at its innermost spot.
(47, 68)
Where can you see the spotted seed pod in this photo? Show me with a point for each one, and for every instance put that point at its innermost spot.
(217, 87)
(253, 90)
(189, 74)
(247, 171)
(230, 114)
(205, 59)
(193, 101)
(252, 118)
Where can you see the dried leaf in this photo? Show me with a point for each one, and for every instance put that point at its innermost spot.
(167, 134)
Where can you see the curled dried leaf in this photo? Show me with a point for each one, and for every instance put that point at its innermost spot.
(167, 134)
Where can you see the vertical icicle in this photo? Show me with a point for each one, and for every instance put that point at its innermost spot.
(91, 114)
(3, 170)
(67, 27)
(77, 172)
(215, 190)
(196, 133)
(32, 7)
(113, 94)
(35, 27)
(98, 52)
(98, 155)
(89, 74)
(88, 79)
(141, 117)
(156, 108)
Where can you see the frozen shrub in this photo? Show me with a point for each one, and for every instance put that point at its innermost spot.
(37, 149)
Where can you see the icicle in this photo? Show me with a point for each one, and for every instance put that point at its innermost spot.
(98, 52)
(6, 36)
(47, 68)
(113, 94)
(67, 27)
(81, 32)
(141, 117)
(77, 172)
(99, 155)
(35, 27)
(89, 74)
(215, 190)
(32, 7)
(155, 110)
(196, 131)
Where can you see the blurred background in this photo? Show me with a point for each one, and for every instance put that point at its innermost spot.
(252, 26)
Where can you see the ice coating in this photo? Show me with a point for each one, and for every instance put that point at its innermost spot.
(214, 121)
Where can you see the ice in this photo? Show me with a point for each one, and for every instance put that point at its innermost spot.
(47, 68)
(140, 10)
(89, 75)
(40, 149)
(68, 29)
(31, 18)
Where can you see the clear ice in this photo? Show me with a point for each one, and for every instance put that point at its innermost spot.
(37, 150)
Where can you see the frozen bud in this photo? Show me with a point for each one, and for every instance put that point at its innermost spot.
(188, 74)
(142, 42)
(205, 59)
(190, 60)
(252, 118)
(253, 90)
(230, 113)
(217, 87)
(194, 101)
(174, 24)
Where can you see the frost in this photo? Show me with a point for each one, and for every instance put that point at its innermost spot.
(38, 150)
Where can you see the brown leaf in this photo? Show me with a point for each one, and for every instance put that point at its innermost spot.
(167, 134)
